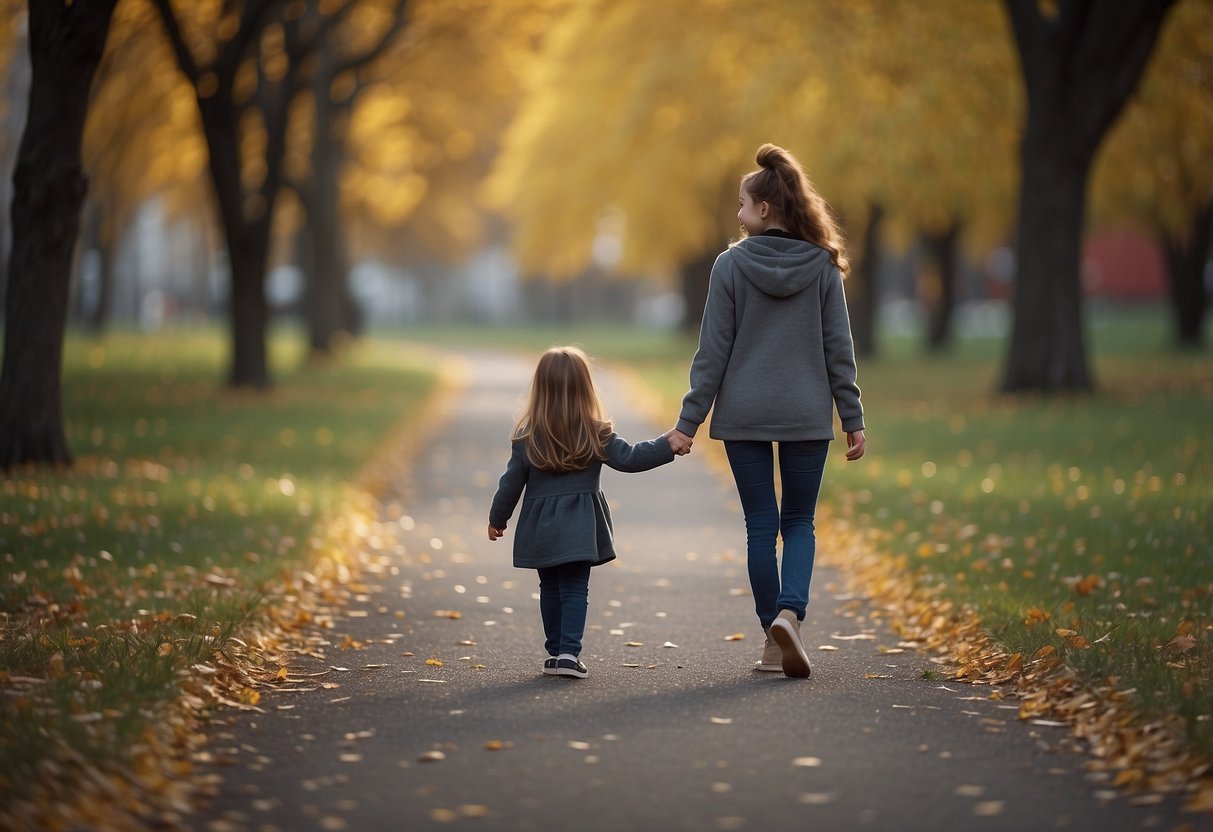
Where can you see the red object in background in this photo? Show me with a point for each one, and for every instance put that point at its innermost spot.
(1124, 265)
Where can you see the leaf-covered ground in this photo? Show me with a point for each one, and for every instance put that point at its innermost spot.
(159, 576)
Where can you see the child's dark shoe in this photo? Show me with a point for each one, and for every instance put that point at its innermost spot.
(549, 666)
(571, 666)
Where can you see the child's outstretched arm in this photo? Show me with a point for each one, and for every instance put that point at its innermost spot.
(642, 456)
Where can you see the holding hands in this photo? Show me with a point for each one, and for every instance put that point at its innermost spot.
(680, 443)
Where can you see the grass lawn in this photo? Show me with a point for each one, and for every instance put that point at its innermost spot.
(186, 503)
(1075, 513)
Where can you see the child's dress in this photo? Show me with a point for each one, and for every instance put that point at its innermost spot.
(564, 517)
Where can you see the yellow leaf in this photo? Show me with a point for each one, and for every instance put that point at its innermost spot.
(1036, 615)
(281, 674)
(434, 662)
(164, 649)
(1128, 777)
(248, 696)
(735, 637)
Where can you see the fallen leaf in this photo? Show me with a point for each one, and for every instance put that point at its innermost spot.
(1181, 644)
(807, 762)
(432, 756)
(452, 614)
(735, 637)
(816, 798)
(497, 745)
(669, 644)
(721, 720)
(434, 662)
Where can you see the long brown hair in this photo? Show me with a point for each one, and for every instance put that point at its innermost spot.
(781, 182)
(564, 426)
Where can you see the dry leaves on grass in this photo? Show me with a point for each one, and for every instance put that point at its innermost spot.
(1144, 758)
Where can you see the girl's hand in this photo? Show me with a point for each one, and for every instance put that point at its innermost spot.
(855, 445)
(495, 533)
(680, 443)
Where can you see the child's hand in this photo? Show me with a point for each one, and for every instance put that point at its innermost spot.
(680, 443)
(855, 445)
(495, 533)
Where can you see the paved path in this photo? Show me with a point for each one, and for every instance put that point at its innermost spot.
(658, 737)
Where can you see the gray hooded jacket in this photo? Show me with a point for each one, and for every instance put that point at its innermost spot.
(775, 352)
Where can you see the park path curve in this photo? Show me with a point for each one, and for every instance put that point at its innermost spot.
(672, 730)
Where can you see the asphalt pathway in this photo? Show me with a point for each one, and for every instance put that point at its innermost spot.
(672, 729)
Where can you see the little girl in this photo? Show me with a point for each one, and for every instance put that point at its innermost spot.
(564, 528)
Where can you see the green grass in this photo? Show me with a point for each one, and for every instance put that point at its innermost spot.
(1093, 509)
(186, 504)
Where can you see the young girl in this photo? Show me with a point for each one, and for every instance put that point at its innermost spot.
(775, 359)
(559, 447)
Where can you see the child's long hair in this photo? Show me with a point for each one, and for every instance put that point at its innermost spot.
(782, 182)
(564, 426)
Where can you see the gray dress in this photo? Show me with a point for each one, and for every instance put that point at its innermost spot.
(564, 517)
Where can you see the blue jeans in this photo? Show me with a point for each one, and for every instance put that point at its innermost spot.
(564, 595)
(801, 465)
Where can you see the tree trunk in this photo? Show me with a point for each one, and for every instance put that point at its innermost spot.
(1048, 351)
(326, 285)
(1081, 61)
(942, 248)
(65, 43)
(695, 276)
(862, 287)
(1186, 259)
(246, 227)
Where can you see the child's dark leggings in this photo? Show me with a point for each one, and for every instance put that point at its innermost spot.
(564, 592)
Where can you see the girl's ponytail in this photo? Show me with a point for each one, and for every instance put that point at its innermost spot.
(781, 182)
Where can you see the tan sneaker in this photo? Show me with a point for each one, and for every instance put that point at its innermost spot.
(785, 631)
(772, 657)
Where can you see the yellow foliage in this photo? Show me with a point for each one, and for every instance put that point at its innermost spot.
(915, 106)
(1156, 166)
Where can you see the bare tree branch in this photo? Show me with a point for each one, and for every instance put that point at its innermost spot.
(385, 42)
(185, 58)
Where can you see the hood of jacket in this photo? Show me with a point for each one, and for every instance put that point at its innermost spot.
(780, 266)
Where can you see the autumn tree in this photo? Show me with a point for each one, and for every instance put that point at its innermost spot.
(423, 137)
(65, 44)
(618, 124)
(142, 139)
(899, 138)
(342, 67)
(1081, 61)
(1156, 170)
